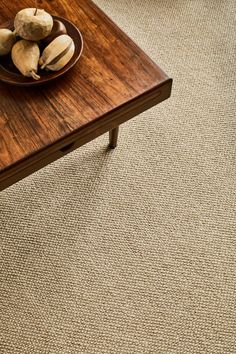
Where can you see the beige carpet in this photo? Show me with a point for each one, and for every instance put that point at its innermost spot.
(133, 251)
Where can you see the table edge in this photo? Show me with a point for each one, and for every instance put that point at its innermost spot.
(86, 133)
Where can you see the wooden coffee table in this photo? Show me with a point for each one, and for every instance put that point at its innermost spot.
(113, 82)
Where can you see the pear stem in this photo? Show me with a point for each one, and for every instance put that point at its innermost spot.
(34, 75)
(36, 7)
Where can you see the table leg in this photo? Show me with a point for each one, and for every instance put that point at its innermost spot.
(113, 136)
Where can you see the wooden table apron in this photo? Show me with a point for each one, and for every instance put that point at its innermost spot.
(133, 100)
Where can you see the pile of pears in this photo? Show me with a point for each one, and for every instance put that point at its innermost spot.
(34, 29)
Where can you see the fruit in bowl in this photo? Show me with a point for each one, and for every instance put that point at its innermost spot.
(36, 41)
(25, 55)
(33, 24)
(57, 30)
(58, 53)
(7, 40)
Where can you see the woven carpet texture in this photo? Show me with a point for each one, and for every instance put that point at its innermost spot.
(133, 250)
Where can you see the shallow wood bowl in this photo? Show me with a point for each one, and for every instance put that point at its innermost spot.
(9, 73)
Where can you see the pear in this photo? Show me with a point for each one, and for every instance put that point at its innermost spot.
(7, 40)
(25, 55)
(58, 53)
(57, 30)
(33, 24)
(62, 60)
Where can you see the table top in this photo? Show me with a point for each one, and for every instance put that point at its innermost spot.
(111, 72)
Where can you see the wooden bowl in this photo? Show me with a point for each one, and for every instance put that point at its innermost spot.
(10, 74)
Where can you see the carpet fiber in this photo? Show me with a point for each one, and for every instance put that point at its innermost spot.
(133, 250)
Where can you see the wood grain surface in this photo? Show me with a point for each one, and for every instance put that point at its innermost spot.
(114, 77)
